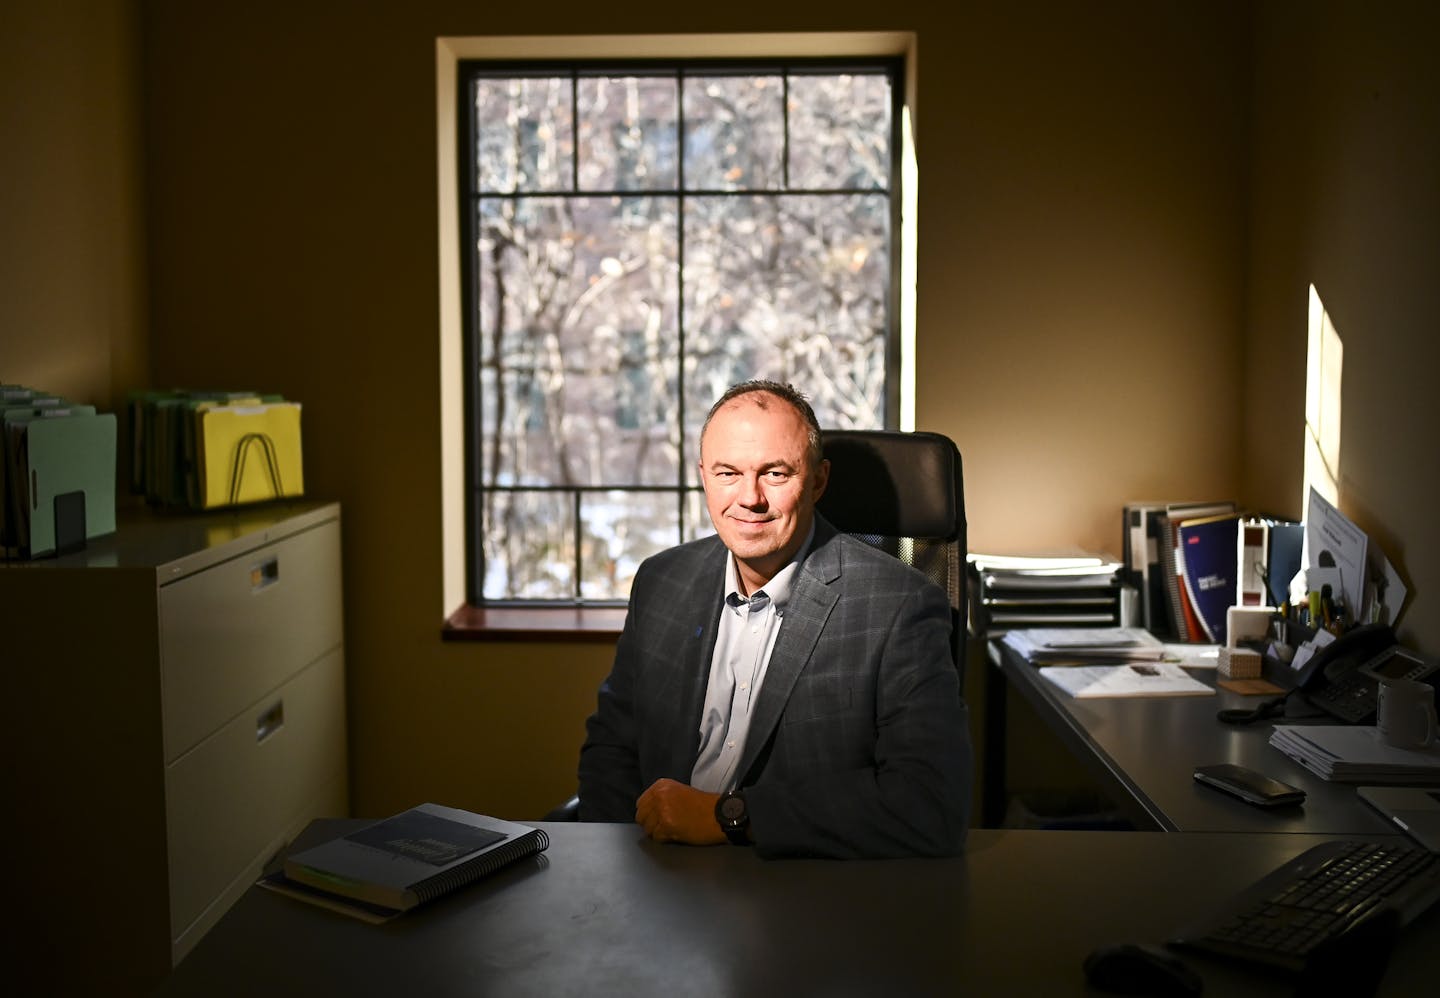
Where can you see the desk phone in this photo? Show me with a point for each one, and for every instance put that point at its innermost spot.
(1348, 686)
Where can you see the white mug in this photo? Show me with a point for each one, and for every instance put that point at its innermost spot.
(1406, 713)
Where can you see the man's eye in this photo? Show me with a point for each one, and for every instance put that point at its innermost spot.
(776, 476)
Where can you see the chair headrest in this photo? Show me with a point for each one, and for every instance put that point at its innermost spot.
(894, 483)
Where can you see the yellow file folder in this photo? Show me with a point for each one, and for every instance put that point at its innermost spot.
(250, 453)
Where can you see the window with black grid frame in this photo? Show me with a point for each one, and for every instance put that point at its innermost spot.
(637, 237)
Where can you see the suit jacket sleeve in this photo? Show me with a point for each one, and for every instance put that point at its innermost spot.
(609, 759)
(646, 720)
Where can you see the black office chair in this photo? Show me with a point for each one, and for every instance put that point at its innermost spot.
(904, 494)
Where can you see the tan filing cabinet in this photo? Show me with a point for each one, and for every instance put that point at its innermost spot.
(180, 714)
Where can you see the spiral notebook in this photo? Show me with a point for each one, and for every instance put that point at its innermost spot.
(413, 857)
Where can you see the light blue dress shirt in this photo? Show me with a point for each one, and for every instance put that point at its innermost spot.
(746, 638)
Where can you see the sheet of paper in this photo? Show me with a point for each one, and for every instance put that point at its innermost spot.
(1138, 679)
(1194, 656)
(1106, 644)
(1335, 551)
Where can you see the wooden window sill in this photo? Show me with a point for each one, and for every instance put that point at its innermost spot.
(583, 624)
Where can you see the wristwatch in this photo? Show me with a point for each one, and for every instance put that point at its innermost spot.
(733, 818)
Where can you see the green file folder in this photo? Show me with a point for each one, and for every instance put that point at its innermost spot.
(57, 458)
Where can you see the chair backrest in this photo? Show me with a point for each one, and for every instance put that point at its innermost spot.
(904, 494)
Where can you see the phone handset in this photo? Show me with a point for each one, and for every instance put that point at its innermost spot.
(1340, 679)
(1346, 653)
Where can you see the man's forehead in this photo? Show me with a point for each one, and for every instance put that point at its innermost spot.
(784, 418)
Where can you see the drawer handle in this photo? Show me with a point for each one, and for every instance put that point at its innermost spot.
(265, 574)
(270, 722)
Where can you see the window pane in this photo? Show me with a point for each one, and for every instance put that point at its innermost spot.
(628, 133)
(579, 349)
(839, 132)
(620, 530)
(524, 134)
(734, 133)
(794, 288)
(697, 522)
(529, 545)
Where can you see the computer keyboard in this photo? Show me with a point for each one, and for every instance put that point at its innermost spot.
(1318, 896)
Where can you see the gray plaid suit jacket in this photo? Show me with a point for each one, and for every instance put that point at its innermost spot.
(859, 745)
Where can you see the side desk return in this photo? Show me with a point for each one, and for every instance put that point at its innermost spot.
(177, 715)
(1143, 752)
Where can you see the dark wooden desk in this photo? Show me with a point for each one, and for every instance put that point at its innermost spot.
(1144, 750)
(606, 912)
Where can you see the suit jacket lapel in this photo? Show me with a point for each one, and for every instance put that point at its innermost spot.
(692, 644)
(811, 601)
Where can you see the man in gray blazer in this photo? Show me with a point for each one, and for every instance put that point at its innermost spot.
(780, 684)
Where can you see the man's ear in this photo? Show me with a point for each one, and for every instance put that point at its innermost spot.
(821, 478)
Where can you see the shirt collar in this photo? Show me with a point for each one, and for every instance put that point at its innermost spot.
(778, 588)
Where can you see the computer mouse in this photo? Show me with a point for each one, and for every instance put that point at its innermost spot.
(1141, 969)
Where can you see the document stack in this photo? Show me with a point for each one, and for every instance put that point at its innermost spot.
(1355, 753)
(57, 473)
(206, 449)
(1051, 645)
(1011, 591)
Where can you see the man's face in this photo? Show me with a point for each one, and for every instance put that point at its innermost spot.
(759, 486)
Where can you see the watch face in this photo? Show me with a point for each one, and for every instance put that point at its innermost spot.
(732, 809)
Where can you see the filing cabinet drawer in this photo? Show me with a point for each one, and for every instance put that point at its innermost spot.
(332, 800)
(228, 800)
(242, 627)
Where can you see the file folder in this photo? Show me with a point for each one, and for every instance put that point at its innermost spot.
(23, 403)
(61, 459)
(189, 441)
(249, 453)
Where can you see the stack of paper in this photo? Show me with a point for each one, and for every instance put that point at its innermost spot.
(1010, 591)
(1086, 644)
(1139, 679)
(1349, 753)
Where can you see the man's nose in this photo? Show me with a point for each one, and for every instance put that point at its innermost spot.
(751, 495)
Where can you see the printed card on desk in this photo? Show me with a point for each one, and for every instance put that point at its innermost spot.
(1138, 679)
(413, 857)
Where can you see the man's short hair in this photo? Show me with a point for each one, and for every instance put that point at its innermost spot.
(814, 444)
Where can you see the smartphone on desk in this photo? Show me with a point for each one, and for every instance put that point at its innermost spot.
(1250, 786)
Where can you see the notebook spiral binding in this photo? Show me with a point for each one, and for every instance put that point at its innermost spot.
(484, 865)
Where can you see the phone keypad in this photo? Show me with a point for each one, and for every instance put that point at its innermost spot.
(1350, 699)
